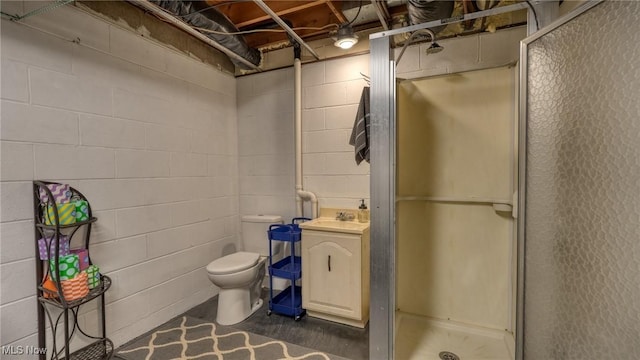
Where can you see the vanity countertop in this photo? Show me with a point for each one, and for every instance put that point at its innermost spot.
(328, 223)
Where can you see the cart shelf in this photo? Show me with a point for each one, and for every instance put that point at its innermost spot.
(289, 301)
(287, 269)
(289, 233)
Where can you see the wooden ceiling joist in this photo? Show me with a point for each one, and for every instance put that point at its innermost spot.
(281, 13)
(336, 12)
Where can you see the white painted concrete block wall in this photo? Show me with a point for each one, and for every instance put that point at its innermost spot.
(147, 134)
(331, 92)
(265, 143)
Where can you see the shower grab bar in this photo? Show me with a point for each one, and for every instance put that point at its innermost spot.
(499, 205)
(451, 199)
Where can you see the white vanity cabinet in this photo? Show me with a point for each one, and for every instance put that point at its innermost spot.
(335, 275)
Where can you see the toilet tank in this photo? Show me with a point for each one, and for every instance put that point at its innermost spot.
(254, 233)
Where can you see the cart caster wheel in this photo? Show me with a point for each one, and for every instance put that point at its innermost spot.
(297, 318)
(268, 312)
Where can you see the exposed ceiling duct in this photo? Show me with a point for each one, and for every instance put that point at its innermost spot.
(200, 15)
(422, 11)
(368, 13)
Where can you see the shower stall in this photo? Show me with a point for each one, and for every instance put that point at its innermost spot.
(455, 179)
(505, 201)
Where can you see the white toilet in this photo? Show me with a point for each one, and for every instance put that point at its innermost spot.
(239, 275)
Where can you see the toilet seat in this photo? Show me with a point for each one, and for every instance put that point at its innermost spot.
(233, 263)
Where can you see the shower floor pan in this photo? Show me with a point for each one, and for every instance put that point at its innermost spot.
(424, 338)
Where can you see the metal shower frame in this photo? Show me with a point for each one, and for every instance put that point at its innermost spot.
(383, 171)
(522, 157)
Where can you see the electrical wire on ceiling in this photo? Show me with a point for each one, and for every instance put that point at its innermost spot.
(265, 30)
(204, 9)
(357, 14)
(249, 31)
(270, 30)
(9, 16)
(345, 38)
(235, 46)
(535, 16)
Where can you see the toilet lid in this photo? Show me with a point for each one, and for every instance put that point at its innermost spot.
(233, 263)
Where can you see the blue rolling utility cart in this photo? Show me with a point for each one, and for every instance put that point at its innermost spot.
(289, 301)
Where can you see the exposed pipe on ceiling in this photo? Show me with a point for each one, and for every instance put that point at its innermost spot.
(382, 12)
(430, 25)
(286, 27)
(422, 11)
(233, 46)
(370, 10)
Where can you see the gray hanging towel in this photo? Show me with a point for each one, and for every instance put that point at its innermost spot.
(360, 133)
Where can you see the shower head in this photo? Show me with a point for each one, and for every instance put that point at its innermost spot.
(434, 48)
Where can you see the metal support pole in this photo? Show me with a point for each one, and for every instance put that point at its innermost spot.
(382, 265)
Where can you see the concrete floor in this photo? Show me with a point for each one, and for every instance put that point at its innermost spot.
(313, 333)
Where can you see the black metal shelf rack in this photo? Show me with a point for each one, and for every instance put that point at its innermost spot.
(101, 347)
(289, 301)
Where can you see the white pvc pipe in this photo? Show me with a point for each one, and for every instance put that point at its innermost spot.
(309, 196)
(301, 194)
(297, 115)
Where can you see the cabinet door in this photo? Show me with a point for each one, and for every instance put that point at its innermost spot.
(331, 279)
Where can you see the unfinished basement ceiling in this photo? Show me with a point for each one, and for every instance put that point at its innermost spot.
(314, 21)
(310, 19)
(319, 19)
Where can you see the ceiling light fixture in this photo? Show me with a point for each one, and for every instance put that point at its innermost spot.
(345, 38)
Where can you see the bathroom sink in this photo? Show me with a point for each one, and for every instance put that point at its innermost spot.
(330, 224)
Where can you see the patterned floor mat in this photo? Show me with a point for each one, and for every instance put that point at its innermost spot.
(191, 338)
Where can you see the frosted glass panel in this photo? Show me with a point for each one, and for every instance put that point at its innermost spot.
(582, 253)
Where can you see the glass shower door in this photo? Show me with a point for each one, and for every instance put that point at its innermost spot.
(580, 244)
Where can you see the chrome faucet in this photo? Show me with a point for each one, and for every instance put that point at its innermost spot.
(345, 216)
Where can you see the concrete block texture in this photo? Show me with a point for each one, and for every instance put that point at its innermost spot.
(15, 83)
(18, 319)
(69, 92)
(12, 280)
(111, 132)
(16, 241)
(331, 92)
(16, 160)
(70, 22)
(29, 123)
(32, 47)
(147, 134)
(143, 164)
(73, 162)
(346, 69)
